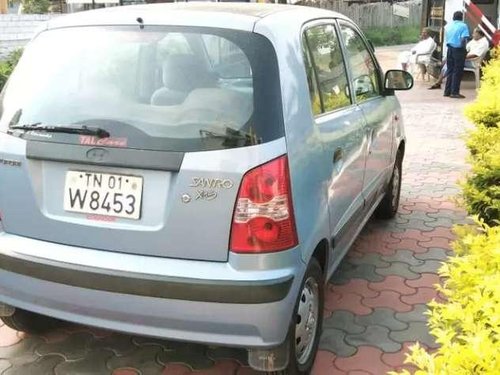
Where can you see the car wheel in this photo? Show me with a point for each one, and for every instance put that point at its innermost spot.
(305, 329)
(29, 322)
(389, 205)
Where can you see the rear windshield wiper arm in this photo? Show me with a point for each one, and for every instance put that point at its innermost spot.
(232, 135)
(83, 130)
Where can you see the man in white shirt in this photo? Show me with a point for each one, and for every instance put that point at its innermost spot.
(425, 46)
(476, 48)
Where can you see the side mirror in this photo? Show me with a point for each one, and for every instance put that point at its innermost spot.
(398, 80)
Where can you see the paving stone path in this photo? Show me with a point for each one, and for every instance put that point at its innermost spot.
(375, 302)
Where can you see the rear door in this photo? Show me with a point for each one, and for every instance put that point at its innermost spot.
(377, 109)
(340, 125)
(180, 124)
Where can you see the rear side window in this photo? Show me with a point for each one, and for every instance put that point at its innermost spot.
(161, 88)
(328, 66)
(365, 78)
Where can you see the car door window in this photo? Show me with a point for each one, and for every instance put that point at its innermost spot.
(311, 80)
(364, 72)
(328, 68)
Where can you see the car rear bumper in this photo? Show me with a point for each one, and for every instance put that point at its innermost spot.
(250, 310)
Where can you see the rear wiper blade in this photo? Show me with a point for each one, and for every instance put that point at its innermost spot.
(232, 135)
(83, 130)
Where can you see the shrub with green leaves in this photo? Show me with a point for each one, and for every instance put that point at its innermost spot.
(467, 325)
(35, 6)
(481, 190)
(388, 36)
(7, 66)
(486, 109)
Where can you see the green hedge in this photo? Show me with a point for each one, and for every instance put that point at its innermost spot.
(389, 36)
(467, 324)
(481, 190)
(7, 65)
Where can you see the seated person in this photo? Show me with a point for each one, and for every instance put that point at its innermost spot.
(425, 46)
(476, 48)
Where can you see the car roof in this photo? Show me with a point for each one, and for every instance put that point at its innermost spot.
(242, 16)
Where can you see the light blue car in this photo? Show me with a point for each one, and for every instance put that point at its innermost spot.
(193, 172)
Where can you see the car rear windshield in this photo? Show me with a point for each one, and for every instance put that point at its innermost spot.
(157, 88)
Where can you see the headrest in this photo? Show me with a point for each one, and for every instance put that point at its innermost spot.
(186, 72)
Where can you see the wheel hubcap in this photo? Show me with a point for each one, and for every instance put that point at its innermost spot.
(307, 320)
(395, 187)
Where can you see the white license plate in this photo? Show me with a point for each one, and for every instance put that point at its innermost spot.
(103, 194)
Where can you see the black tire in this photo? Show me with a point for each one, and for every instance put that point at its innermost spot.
(30, 322)
(302, 365)
(388, 207)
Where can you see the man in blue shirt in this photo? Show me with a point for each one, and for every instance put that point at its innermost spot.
(456, 37)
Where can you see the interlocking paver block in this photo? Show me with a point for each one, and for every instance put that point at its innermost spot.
(324, 363)
(351, 302)
(8, 336)
(220, 353)
(357, 286)
(117, 343)
(4, 365)
(376, 336)
(429, 266)
(396, 360)
(415, 315)
(441, 222)
(387, 298)
(93, 363)
(425, 280)
(373, 259)
(334, 341)
(403, 256)
(348, 271)
(434, 254)
(343, 320)
(367, 359)
(408, 244)
(74, 347)
(423, 295)
(42, 365)
(398, 269)
(417, 331)
(144, 359)
(441, 232)
(175, 369)
(382, 317)
(221, 368)
(193, 354)
(394, 283)
(22, 352)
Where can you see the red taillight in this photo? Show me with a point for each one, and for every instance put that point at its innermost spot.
(263, 218)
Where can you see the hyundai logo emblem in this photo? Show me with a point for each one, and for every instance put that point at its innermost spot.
(97, 154)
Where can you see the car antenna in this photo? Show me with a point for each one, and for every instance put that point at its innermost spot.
(141, 22)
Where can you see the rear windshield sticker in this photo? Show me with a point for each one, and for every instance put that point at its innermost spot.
(90, 140)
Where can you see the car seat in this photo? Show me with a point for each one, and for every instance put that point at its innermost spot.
(181, 74)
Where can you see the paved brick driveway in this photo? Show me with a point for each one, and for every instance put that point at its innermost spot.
(374, 303)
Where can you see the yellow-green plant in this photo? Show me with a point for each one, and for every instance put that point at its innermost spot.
(486, 109)
(481, 190)
(467, 325)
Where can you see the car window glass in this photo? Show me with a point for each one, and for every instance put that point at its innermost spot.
(311, 79)
(158, 89)
(226, 58)
(364, 73)
(329, 66)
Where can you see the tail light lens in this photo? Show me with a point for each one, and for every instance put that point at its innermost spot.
(263, 218)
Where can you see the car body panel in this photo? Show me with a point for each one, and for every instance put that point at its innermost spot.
(186, 242)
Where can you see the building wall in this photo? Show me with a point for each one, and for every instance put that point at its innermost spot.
(17, 30)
